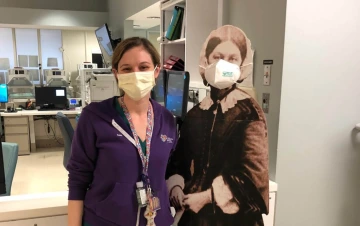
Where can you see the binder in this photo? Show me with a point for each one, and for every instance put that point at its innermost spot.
(174, 23)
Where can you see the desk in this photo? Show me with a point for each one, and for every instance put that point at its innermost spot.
(20, 127)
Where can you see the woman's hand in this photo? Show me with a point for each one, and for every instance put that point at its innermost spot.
(197, 201)
(177, 197)
(223, 196)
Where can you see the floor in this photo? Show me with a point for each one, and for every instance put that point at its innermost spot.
(40, 172)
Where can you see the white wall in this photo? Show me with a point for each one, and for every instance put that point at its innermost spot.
(77, 5)
(78, 47)
(129, 30)
(318, 168)
(263, 21)
(43, 18)
(120, 10)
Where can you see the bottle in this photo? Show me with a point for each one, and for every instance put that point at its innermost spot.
(141, 194)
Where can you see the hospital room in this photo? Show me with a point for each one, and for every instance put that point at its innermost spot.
(178, 113)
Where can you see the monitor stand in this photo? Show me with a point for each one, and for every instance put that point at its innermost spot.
(179, 123)
(48, 107)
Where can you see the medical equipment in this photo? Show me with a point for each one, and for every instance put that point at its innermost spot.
(83, 79)
(74, 102)
(100, 86)
(87, 65)
(19, 85)
(57, 78)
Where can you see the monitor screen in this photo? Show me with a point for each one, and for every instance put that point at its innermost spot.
(105, 43)
(177, 92)
(158, 93)
(3, 93)
(51, 95)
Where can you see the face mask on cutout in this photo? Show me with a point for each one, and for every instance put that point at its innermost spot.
(222, 74)
(137, 84)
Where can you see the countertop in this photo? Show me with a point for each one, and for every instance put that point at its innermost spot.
(30, 206)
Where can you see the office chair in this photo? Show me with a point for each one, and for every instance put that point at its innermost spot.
(10, 155)
(67, 132)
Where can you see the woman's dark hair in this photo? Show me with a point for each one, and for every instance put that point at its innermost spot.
(240, 42)
(130, 43)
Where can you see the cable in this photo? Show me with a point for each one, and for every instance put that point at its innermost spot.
(50, 128)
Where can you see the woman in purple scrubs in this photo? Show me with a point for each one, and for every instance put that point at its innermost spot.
(122, 141)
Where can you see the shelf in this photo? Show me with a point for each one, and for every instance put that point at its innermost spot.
(169, 5)
(178, 41)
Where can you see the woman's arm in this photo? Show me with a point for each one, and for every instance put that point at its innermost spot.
(75, 213)
(81, 166)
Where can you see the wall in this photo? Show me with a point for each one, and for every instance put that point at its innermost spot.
(263, 21)
(42, 18)
(120, 10)
(76, 5)
(318, 169)
(129, 30)
(78, 47)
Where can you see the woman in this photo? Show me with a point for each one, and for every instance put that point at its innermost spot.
(218, 173)
(112, 142)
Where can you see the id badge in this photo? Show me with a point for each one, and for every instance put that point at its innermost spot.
(154, 202)
(141, 197)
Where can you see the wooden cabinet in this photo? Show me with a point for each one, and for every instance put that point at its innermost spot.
(17, 131)
(46, 221)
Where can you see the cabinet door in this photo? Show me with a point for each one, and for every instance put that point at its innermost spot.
(269, 219)
(22, 140)
(47, 221)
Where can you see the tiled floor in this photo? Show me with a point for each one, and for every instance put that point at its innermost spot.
(40, 172)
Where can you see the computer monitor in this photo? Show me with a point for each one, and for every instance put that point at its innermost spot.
(159, 91)
(177, 92)
(51, 97)
(2, 172)
(4, 96)
(105, 43)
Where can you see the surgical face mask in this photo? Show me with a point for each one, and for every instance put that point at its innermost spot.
(222, 74)
(136, 84)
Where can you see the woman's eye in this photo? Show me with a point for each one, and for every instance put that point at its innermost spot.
(144, 68)
(126, 69)
(233, 59)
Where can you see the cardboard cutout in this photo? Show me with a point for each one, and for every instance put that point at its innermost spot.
(218, 173)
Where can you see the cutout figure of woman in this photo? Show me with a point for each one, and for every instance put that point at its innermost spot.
(218, 173)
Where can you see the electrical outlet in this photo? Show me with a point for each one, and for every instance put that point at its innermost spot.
(265, 102)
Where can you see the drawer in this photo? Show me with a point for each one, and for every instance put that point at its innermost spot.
(16, 121)
(46, 221)
(22, 140)
(15, 129)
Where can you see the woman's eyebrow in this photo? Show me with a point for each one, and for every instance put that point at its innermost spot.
(124, 65)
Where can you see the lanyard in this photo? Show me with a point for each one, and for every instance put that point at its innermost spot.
(149, 130)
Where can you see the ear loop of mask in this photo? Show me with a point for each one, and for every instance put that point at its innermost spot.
(207, 84)
(242, 67)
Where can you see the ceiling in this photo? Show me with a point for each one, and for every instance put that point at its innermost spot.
(141, 18)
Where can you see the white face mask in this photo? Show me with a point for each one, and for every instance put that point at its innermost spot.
(137, 84)
(222, 74)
